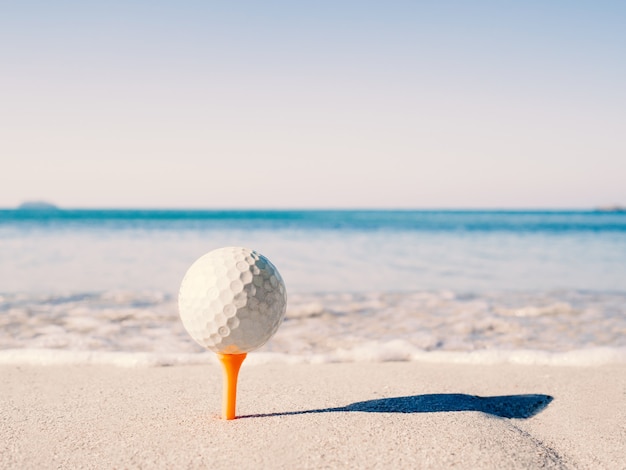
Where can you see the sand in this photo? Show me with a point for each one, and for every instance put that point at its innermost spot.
(359, 415)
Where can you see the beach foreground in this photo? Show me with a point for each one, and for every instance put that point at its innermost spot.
(356, 415)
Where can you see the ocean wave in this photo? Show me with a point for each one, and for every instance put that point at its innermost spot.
(392, 351)
(333, 325)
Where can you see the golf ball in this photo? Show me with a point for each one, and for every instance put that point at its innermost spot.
(232, 300)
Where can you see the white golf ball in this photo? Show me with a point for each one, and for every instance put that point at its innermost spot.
(232, 300)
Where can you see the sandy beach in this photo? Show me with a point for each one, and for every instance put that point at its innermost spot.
(359, 415)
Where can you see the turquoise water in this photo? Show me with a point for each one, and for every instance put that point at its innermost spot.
(353, 220)
(371, 285)
(320, 251)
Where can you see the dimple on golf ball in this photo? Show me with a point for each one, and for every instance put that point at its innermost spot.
(232, 300)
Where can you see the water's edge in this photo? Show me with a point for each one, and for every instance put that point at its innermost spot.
(389, 352)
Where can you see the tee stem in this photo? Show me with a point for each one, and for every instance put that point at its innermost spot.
(230, 367)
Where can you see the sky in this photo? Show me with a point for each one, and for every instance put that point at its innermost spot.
(326, 104)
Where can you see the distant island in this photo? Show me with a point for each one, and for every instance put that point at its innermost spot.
(612, 208)
(37, 206)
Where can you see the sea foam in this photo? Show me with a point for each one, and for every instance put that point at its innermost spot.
(372, 353)
(549, 327)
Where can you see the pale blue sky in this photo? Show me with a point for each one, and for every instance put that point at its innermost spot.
(330, 104)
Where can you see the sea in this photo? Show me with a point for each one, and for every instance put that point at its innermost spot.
(525, 287)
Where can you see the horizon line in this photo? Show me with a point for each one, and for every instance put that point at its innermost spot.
(53, 207)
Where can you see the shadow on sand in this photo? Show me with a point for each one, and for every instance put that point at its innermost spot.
(508, 406)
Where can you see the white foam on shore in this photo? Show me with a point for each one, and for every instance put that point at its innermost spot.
(392, 351)
(376, 325)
